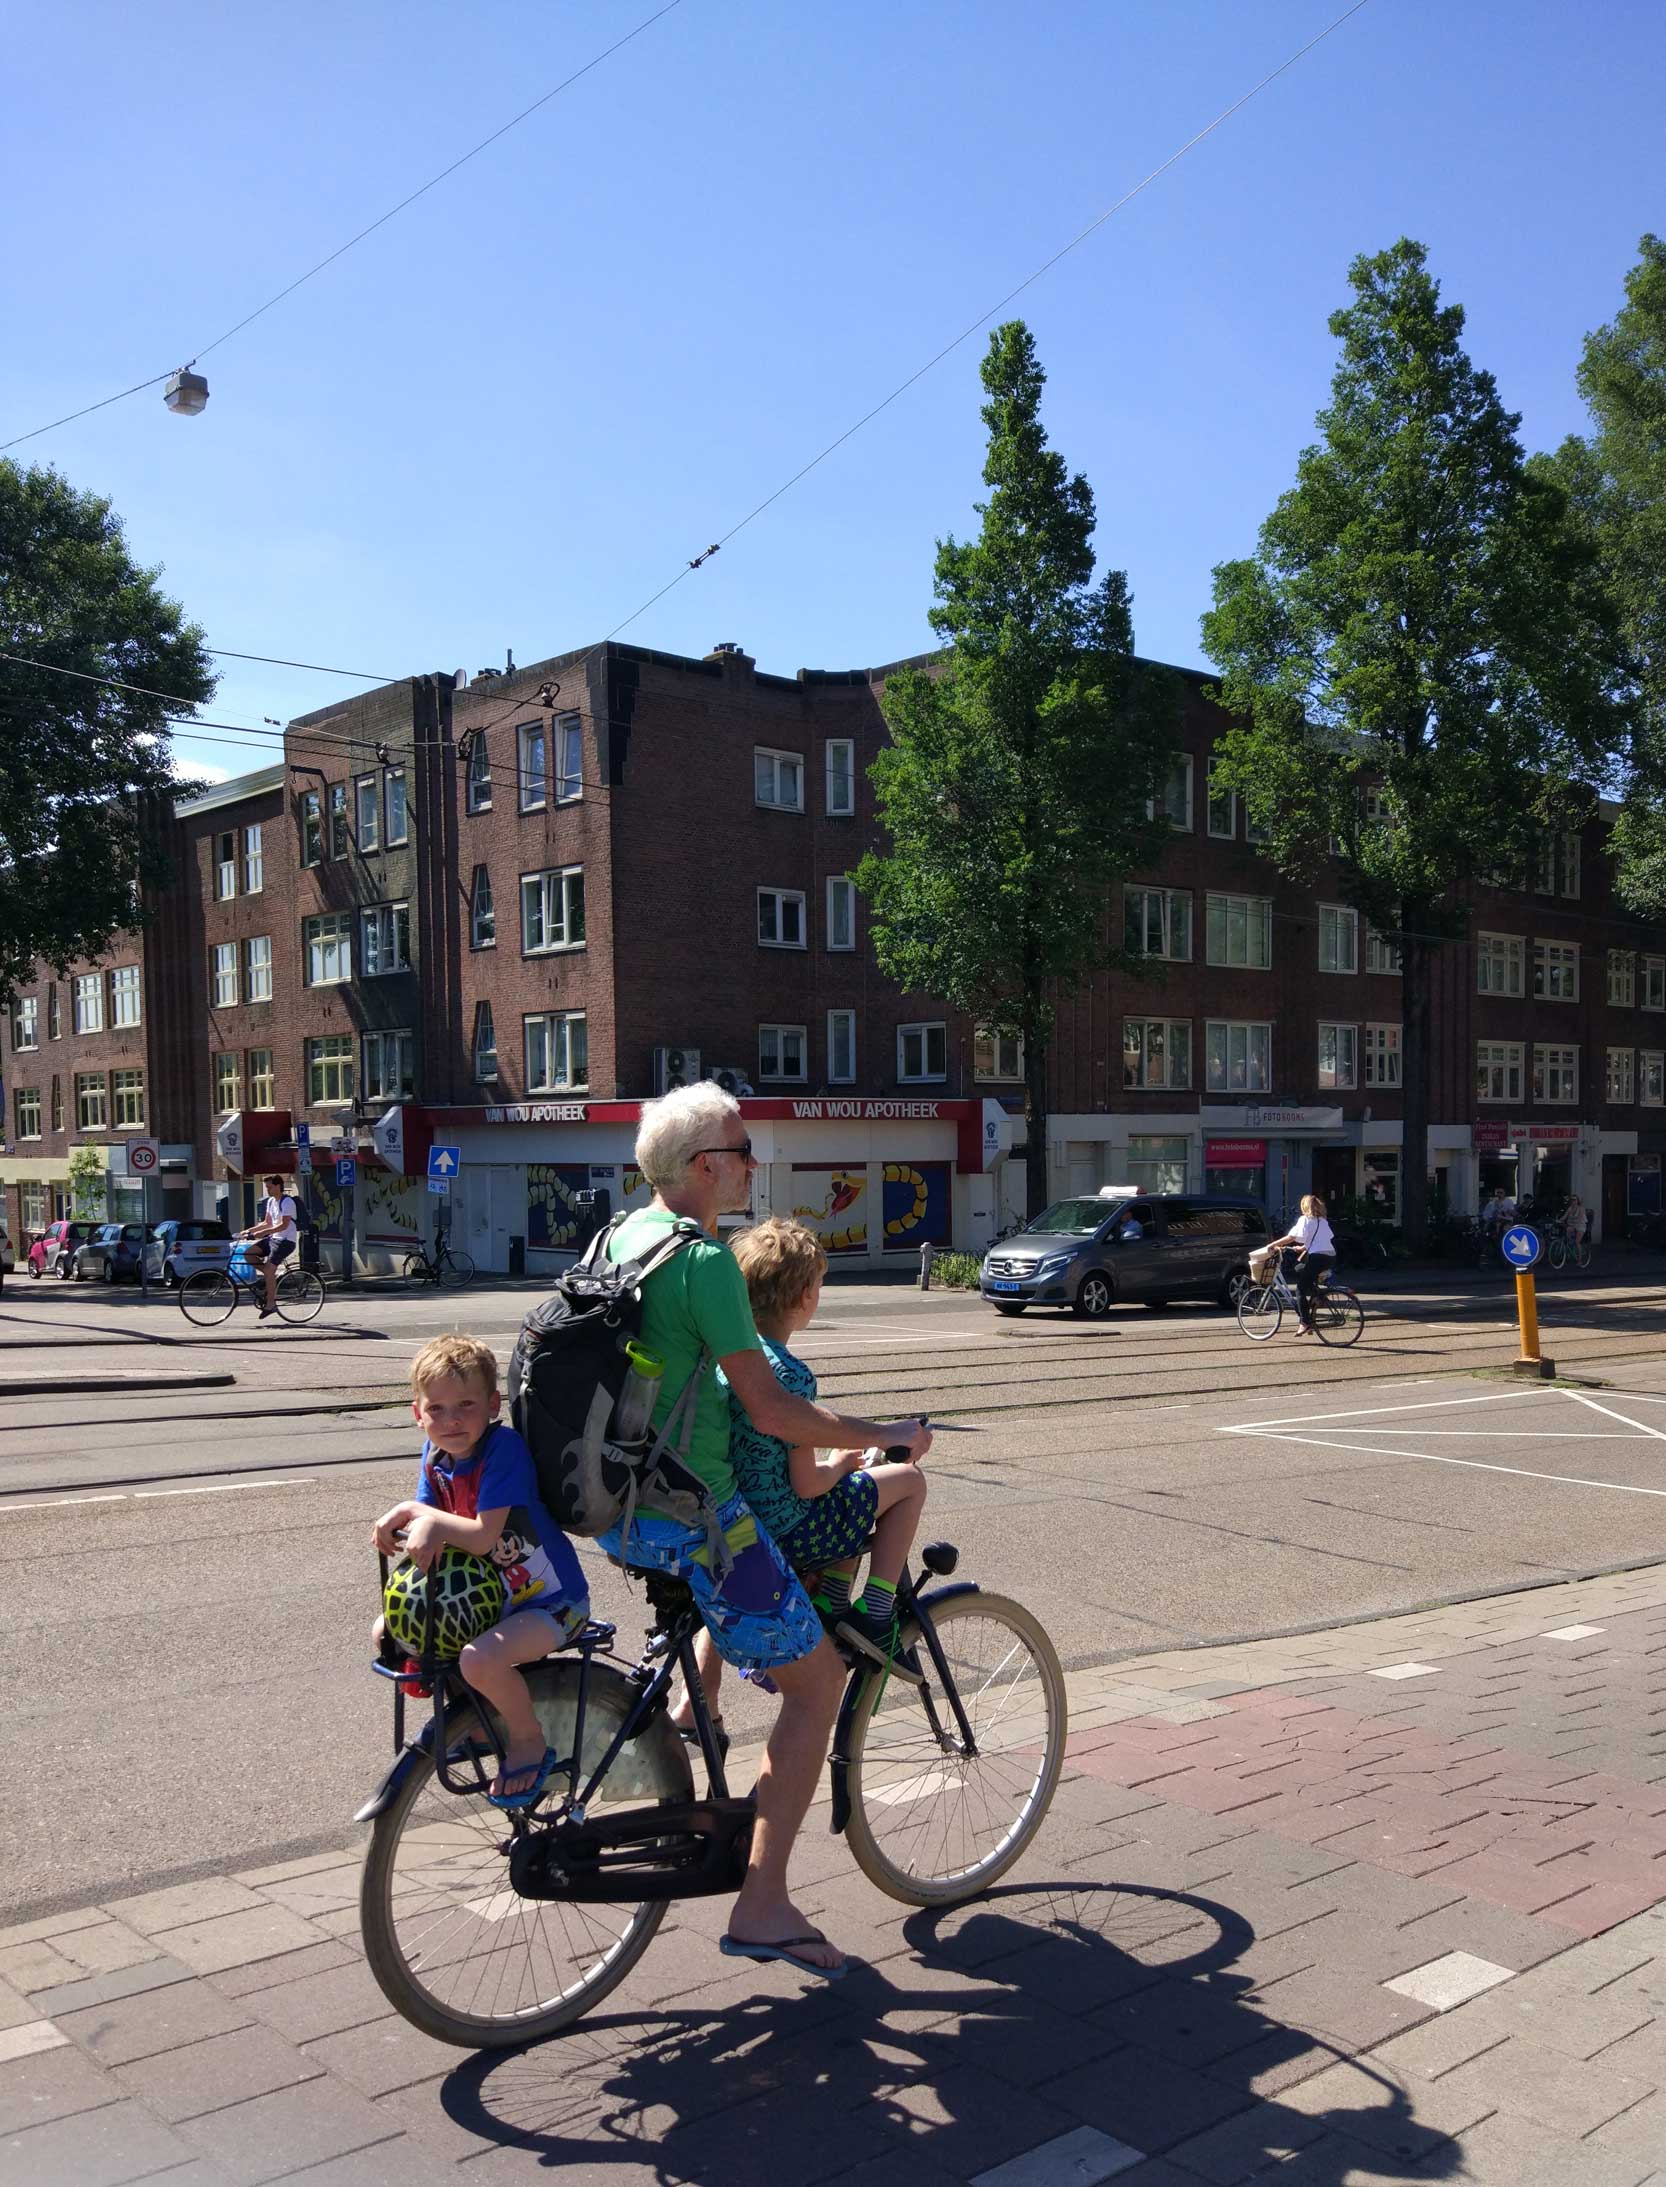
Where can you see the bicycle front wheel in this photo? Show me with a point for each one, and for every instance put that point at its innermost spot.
(1582, 1253)
(300, 1294)
(417, 1269)
(207, 1297)
(456, 1267)
(1556, 1252)
(932, 1824)
(1260, 1311)
(1338, 1317)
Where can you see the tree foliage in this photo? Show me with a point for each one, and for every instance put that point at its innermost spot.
(1422, 653)
(1016, 784)
(82, 766)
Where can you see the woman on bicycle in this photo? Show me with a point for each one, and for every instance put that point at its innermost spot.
(1311, 1236)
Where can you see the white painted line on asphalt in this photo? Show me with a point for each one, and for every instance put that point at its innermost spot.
(1451, 1980)
(218, 1488)
(1081, 2158)
(51, 1503)
(1642, 1426)
(1494, 1435)
(1573, 1632)
(1361, 1412)
(1436, 1458)
(1406, 1670)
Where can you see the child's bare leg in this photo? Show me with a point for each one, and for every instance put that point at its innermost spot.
(491, 1667)
(710, 1666)
(902, 1497)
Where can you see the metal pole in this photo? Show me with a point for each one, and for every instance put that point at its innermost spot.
(1531, 1363)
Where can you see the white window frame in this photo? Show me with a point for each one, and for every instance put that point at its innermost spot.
(327, 948)
(92, 1101)
(340, 820)
(1382, 1052)
(1381, 955)
(26, 1103)
(773, 1041)
(992, 1050)
(477, 797)
(767, 764)
(1257, 1033)
(1174, 910)
(1500, 1072)
(225, 865)
(1339, 1075)
(841, 890)
(1255, 915)
(560, 907)
(312, 827)
(390, 776)
(378, 1085)
(1214, 797)
(254, 859)
(483, 1045)
(263, 1082)
(54, 1012)
(89, 1002)
(773, 905)
(1651, 1078)
(127, 1098)
(1555, 971)
(1342, 921)
(838, 1020)
(1652, 984)
(25, 1024)
(223, 967)
(1159, 807)
(1620, 1077)
(227, 1071)
(1622, 978)
(1501, 964)
(1555, 1062)
(922, 1034)
(257, 967)
(330, 1060)
(1176, 1074)
(482, 910)
(384, 940)
(367, 813)
(569, 759)
(556, 1030)
(839, 779)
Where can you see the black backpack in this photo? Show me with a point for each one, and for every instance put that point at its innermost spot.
(565, 1376)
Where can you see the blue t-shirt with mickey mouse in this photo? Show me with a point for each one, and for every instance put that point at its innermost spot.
(539, 1564)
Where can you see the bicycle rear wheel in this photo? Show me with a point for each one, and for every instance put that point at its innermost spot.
(1338, 1317)
(456, 1267)
(1582, 1253)
(207, 1297)
(300, 1294)
(1260, 1311)
(418, 1269)
(928, 1824)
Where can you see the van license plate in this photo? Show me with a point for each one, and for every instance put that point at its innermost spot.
(999, 1285)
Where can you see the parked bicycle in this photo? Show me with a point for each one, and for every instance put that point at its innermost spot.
(1338, 1317)
(210, 1296)
(445, 1264)
(486, 1929)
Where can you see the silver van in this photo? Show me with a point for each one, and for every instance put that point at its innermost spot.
(1088, 1253)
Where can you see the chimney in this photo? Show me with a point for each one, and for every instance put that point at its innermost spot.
(728, 655)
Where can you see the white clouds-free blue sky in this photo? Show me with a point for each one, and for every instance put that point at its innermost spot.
(513, 413)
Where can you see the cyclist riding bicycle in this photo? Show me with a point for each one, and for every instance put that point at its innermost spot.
(273, 1239)
(1311, 1235)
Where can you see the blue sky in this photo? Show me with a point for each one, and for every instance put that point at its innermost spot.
(511, 415)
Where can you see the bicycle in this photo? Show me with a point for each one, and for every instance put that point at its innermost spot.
(446, 1264)
(1560, 1249)
(487, 1929)
(210, 1296)
(1338, 1316)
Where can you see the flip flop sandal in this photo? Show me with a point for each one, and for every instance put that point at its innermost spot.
(691, 1737)
(513, 1802)
(734, 1947)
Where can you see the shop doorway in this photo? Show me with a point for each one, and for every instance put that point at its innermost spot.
(490, 1201)
(1333, 1175)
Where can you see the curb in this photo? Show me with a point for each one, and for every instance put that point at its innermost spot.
(57, 1385)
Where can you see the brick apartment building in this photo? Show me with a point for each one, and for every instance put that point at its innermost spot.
(513, 905)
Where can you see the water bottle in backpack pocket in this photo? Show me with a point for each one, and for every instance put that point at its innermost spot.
(633, 1408)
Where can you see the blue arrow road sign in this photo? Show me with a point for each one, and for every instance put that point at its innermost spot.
(1520, 1246)
(443, 1162)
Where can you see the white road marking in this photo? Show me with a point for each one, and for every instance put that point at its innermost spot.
(1362, 1412)
(1435, 1458)
(128, 1496)
(216, 1488)
(1642, 1426)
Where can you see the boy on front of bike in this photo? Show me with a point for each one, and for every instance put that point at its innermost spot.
(478, 1492)
(273, 1239)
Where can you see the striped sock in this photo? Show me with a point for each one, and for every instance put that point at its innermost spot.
(879, 1598)
(833, 1592)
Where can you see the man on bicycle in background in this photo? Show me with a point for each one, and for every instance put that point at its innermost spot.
(273, 1239)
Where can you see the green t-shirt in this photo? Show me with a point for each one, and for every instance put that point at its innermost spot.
(698, 1300)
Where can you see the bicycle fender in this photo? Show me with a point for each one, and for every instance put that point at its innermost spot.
(413, 1752)
(838, 1763)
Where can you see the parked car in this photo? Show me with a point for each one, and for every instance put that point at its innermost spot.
(1087, 1253)
(113, 1252)
(54, 1250)
(197, 1243)
(8, 1253)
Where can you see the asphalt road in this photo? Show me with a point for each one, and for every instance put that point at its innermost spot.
(188, 1581)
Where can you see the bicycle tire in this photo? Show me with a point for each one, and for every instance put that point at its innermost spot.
(207, 1298)
(456, 1267)
(1338, 1317)
(453, 1893)
(299, 1294)
(1582, 1253)
(417, 1269)
(1556, 1251)
(911, 1802)
(1260, 1312)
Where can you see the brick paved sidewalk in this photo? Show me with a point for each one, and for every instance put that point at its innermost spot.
(1382, 1903)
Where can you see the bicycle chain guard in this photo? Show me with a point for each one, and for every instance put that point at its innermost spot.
(684, 1849)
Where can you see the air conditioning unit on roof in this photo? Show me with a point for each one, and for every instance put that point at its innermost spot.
(675, 1067)
(732, 1079)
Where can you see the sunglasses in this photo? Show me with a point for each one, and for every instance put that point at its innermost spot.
(744, 1150)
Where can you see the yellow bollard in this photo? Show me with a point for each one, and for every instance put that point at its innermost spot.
(1527, 1318)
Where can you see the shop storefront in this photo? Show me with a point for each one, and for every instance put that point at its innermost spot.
(1237, 1166)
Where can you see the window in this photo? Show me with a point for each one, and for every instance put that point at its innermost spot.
(89, 1002)
(1500, 962)
(1382, 1055)
(1653, 994)
(1156, 1165)
(534, 764)
(26, 1112)
(1240, 930)
(1381, 955)
(124, 995)
(482, 912)
(263, 1089)
(781, 1051)
(128, 1090)
(92, 1101)
(569, 759)
(312, 828)
(778, 779)
(55, 1015)
(1622, 977)
(1556, 865)
(329, 948)
(338, 820)
(922, 1053)
(841, 912)
(1651, 1078)
(1620, 1082)
(225, 864)
(368, 813)
(384, 940)
(254, 861)
(329, 1070)
(225, 974)
(1556, 1074)
(32, 1198)
(1498, 1070)
(552, 909)
(557, 1052)
(479, 795)
(841, 777)
(781, 918)
(1157, 922)
(1556, 971)
(257, 964)
(396, 823)
(1157, 1052)
(1223, 807)
(25, 1024)
(485, 1043)
(228, 1083)
(841, 1047)
(1237, 1058)
(1173, 801)
(1338, 938)
(57, 1104)
(997, 1055)
(389, 1066)
(1338, 1057)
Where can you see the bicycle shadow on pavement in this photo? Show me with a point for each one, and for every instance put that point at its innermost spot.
(987, 2031)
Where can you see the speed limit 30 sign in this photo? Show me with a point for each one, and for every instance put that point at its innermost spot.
(143, 1156)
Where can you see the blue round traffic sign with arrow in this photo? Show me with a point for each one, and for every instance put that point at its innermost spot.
(1520, 1245)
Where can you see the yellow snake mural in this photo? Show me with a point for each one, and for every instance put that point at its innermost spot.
(899, 1173)
(844, 1188)
(548, 1189)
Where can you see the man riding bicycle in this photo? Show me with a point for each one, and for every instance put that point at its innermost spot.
(273, 1239)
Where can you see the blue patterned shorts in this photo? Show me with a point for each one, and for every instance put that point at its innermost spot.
(836, 1526)
(758, 1616)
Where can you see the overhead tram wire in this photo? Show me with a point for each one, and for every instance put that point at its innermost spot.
(381, 221)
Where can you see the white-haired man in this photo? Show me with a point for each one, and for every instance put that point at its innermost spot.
(693, 1149)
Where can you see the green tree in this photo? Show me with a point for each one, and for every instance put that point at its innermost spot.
(1616, 479)
(82, 767)
(1016, 785)
(1422, 655)
(89, 1185)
